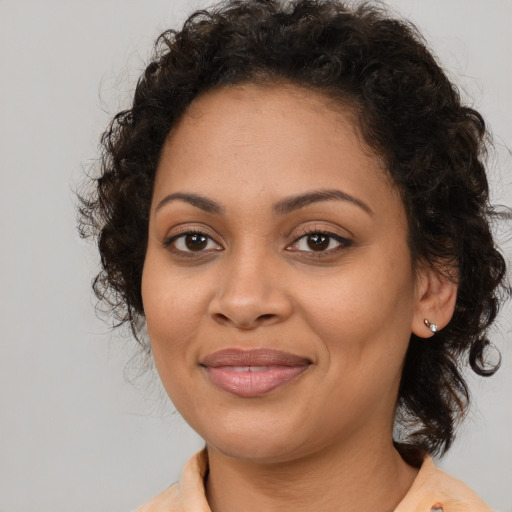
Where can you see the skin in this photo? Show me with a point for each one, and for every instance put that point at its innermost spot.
(325, 437)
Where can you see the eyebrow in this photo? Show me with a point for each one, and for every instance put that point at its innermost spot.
(282, 207)
(201, 202)
(300, 201)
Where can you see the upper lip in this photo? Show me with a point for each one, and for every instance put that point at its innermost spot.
(254, 357)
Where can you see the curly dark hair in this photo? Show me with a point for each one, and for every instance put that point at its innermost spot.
(408, 112)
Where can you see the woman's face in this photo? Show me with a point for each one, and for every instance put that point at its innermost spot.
(277, 286)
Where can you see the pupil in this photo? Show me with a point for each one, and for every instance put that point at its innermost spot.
(318, 242)
(196, 242)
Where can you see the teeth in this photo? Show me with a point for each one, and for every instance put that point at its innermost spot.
(248, 368)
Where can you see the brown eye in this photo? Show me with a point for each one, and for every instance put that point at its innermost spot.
(318, 242)
(196, 241)
(192, 242)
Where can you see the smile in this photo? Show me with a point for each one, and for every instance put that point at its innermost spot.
(252, 373)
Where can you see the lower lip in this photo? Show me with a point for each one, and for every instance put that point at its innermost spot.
(248, 383)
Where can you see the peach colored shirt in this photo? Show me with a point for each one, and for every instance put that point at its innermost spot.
(433, 490)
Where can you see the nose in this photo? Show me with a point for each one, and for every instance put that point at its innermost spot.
(249, 293)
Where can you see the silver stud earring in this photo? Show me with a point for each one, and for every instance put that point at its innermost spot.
(432, 327)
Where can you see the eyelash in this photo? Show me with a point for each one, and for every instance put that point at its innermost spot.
(170, 242)
(343, 243)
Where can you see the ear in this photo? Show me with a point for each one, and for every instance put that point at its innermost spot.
(435, 301)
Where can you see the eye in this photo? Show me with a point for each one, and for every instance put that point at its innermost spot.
(320, 242)
(192, 242)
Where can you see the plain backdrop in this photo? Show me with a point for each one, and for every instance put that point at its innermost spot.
(75, 436)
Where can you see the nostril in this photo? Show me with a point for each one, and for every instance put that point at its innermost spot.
(221, 317)
(244, 323)
(266, 316)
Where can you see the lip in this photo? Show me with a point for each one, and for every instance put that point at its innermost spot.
(253, 373)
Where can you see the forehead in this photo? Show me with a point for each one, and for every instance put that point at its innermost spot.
(252, 107)
(273, 138)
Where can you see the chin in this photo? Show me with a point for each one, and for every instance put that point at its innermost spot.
(263, 444)
(255, 450)
(258, 441)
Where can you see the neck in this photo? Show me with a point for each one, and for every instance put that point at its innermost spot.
(373, 478)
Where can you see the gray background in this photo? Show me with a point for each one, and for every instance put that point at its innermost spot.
(74, 435)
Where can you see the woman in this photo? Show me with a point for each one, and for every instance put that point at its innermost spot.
(296, 209)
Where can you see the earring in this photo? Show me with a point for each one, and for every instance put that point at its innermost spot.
(432, 327)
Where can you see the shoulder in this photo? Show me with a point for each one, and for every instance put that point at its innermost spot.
(436, 491)
(167, 501)
(188, 494)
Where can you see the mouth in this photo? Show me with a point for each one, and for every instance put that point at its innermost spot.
(253, 373)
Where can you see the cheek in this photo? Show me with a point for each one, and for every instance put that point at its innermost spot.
(173, 306)
(172, 318)
(362, 326)
(365, 311)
